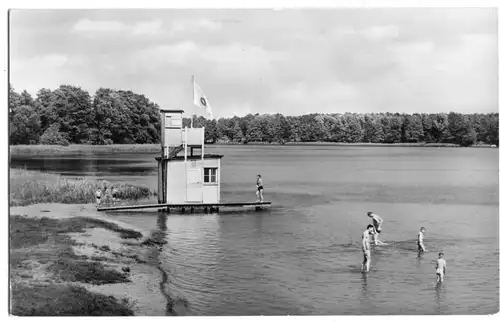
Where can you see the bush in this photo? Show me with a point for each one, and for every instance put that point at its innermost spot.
(52, 136)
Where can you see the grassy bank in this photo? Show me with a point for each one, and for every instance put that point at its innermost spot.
(82, 148)
(30, 187)
(43, 267)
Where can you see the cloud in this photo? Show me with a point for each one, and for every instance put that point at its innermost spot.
(168, 54)
(91, 26)
(179, 26)
(109, 27)
(381, 32)
(227, 62)
(147, 28)
(319, 96)
(41, 69)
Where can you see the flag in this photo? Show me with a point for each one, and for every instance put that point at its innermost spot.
(200, 100)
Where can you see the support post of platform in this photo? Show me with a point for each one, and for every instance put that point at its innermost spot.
(203, 144)
(160, 180)
(164, 181)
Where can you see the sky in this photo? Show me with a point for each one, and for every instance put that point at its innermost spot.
(291, 61)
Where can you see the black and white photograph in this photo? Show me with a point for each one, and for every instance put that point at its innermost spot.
(247, 162)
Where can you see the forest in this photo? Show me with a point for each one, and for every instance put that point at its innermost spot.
(70, 115)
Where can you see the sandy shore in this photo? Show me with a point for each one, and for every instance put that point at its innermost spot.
(145, 291)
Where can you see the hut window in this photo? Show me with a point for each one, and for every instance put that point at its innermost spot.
(210, 175)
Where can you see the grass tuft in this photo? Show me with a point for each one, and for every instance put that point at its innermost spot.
(30, 187)
(70, 270)
(64, 300)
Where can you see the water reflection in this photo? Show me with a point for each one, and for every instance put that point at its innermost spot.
(439, 294)
(364, 285)
(419, 259)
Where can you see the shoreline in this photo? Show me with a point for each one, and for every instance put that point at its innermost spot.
(20, 150)
(103, 242)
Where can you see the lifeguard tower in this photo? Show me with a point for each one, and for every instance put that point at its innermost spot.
(190, 178)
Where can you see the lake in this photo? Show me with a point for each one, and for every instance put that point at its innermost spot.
(302, 256)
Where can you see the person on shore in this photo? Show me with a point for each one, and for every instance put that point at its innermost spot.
(420, 240)
(440, 268)
(377, 227)
(365, 246)
(260, 189)
(109, 194)
(105, 194)
(114, 194)
(98, 195)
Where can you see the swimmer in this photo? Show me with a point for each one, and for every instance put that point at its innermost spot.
(440, 268)
(365, 246)
(377, 225)
(420, 240)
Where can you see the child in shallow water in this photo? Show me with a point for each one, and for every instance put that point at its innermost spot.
(440, 268)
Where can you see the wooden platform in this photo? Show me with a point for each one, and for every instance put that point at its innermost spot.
(206, 206)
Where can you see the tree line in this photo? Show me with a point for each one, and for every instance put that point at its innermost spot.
(69, 114)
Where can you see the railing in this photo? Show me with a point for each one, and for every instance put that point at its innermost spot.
(175, 140)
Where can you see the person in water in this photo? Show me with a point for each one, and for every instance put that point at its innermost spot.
(260, 189)
(440, 268)
(420, 240)
(365, 246)
(377, 225)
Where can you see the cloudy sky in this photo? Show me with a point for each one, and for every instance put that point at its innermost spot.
(263, 61)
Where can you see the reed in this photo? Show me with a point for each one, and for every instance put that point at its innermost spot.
(30, 187)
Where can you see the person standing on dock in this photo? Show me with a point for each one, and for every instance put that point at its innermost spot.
(377, 224)
(260, 189)
(365, 246)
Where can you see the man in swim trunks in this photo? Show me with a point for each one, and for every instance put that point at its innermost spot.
(440, 268)
(365, 246)
(420, 240)
(377, 224)
(260, 189)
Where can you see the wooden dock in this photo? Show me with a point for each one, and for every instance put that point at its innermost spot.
(208, 207)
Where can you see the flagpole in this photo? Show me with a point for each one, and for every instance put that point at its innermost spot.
(192, 115)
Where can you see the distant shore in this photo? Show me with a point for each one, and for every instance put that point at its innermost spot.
(19, 150)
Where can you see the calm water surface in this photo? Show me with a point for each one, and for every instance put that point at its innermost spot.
(303, 255)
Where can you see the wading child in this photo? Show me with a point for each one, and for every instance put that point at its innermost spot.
(420, 240)
(440, 268)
